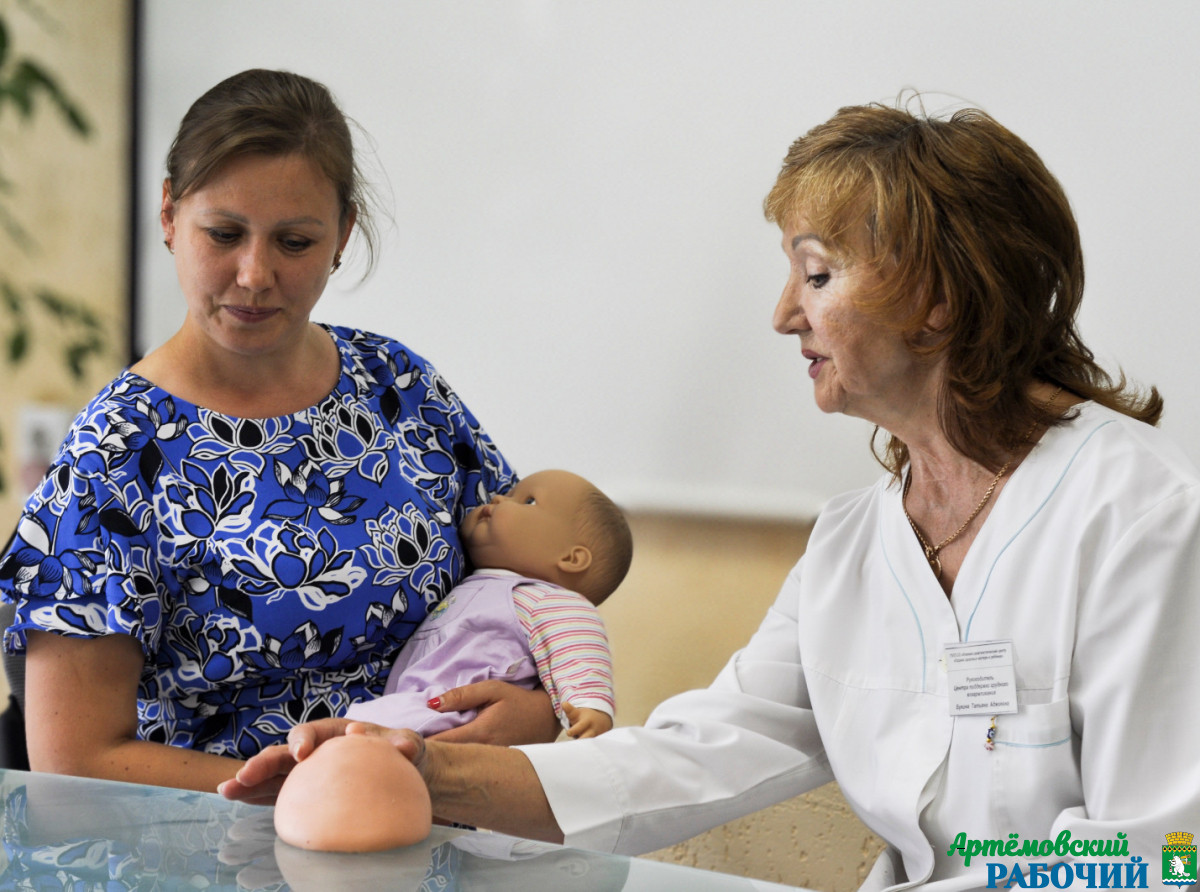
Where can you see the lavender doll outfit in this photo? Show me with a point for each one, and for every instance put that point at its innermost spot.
(497, 625)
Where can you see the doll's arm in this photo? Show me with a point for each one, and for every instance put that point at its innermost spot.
(568, 646)
(586, 722)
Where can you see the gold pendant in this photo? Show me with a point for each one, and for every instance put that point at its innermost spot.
(935, 562)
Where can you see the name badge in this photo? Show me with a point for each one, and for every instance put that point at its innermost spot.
(981, 678)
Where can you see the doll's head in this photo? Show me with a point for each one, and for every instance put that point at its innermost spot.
(355, 793)
(556, 526)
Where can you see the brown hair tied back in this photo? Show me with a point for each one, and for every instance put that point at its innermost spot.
(960, 211)
(271, 113)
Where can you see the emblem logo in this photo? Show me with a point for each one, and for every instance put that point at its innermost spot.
(1179, 860)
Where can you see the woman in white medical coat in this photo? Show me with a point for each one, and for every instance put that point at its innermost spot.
(992, 646)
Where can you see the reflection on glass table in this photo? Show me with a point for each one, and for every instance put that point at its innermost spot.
(77, 834)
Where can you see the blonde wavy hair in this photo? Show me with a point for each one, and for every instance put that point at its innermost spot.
(958, 210)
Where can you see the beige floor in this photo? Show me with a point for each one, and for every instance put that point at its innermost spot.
(696, 591)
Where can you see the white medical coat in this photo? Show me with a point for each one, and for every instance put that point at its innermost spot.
(1089, 562)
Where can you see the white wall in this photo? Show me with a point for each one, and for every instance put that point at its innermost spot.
(578, 241)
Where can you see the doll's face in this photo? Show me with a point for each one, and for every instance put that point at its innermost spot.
(532, 528)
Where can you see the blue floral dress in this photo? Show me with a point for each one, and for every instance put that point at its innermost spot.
(271, 568)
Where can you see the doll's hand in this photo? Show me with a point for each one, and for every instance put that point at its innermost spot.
(508, 715)
(586, 722)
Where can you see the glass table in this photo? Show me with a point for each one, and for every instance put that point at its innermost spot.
(77, 834)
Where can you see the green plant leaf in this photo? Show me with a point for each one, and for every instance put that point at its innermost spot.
(18, 344)
(67, 309)
(29, 78)
(80, 350)
(3, 42)
(12, 298)
(70, 111)
(75, 355)
(53, 303)
(19, 90)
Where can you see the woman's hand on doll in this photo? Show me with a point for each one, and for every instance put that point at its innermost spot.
(586, 722)
(259, 780)
(507, 715)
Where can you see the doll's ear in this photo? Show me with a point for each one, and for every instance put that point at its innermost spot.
(578, 559)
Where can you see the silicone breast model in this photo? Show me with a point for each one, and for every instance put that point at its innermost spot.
(353, 794)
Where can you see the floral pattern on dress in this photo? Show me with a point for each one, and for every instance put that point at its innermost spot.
(271, 568)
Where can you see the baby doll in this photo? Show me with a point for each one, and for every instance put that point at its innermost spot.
(547, 554)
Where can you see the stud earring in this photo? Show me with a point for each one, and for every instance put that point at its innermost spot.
(170, 247)
(337, 262)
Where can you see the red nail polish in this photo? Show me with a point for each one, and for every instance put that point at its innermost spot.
(433, 702)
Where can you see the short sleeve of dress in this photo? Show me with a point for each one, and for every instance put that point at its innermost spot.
(81, 562)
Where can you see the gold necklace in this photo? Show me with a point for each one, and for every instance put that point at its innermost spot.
(932, 552)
